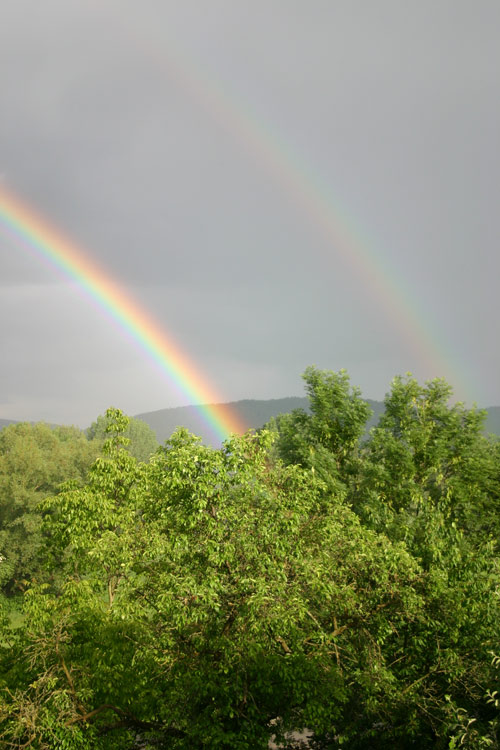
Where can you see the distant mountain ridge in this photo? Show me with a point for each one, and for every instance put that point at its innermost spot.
(255, 413)
(252, 412)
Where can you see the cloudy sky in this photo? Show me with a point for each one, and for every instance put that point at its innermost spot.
(278, 183)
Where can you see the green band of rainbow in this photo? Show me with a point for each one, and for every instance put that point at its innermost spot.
(23, 223)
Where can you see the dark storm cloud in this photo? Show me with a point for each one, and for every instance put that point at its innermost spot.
(122, 122)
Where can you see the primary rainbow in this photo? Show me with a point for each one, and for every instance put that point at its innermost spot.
(25, 225)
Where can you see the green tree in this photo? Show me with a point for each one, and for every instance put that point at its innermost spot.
(327, 438)
(142, 439)
(200, 597)
(427, 477)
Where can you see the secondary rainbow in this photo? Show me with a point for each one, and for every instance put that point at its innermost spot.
(33, 231)
(419, 332)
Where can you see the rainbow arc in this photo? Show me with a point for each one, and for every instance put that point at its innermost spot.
(33, 231)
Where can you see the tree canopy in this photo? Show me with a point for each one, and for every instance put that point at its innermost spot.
(34, 460)
(304, 576)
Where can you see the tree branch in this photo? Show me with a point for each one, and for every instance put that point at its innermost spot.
(126, 720)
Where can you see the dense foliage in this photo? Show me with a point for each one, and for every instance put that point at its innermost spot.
(34, 460)
(306, 576)
(141, 444)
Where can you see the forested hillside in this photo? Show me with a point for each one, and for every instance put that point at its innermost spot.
(254, 413)
(308, 575)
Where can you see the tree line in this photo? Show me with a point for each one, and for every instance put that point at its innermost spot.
(306, 575)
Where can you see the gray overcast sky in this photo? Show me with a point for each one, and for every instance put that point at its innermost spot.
(279, 183)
